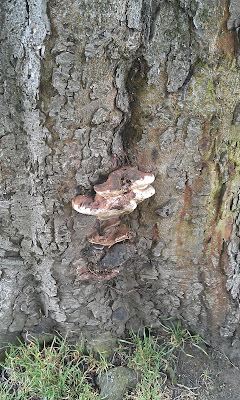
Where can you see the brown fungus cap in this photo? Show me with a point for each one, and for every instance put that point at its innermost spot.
(124, 180)
(112, 231)
(120, 194)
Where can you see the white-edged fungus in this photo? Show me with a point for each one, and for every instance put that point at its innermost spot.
(124, 180)
(120, 194)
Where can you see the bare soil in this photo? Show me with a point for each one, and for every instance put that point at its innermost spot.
(212, 377)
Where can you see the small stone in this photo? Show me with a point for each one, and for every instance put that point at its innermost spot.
(38, 337)
(105, 344)
(41, 333)
(120, 314)
(5, 340)
(116, 382)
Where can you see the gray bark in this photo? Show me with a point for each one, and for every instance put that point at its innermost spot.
(87, 86)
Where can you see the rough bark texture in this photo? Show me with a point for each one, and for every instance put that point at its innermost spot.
(86, 87)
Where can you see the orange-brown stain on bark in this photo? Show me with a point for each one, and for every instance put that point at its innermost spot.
(155, 233)
(227, 41)
(215, 266)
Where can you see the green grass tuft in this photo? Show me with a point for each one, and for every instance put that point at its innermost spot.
(65, 372)
(59, 371)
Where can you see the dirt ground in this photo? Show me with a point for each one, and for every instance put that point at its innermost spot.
(202, 377)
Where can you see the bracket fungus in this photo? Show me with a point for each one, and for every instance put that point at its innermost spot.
(120, 194)
(110, 232)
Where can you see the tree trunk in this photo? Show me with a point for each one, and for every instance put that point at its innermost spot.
(87, 87)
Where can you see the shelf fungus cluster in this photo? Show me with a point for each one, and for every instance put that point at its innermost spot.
(120, 194)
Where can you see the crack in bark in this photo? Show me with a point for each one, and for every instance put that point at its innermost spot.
(28, 12)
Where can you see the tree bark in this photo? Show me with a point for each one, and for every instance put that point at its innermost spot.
(87, 87)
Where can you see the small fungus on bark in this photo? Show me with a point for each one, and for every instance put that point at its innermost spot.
(84, 273)
(110, 232)
(120, 194)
